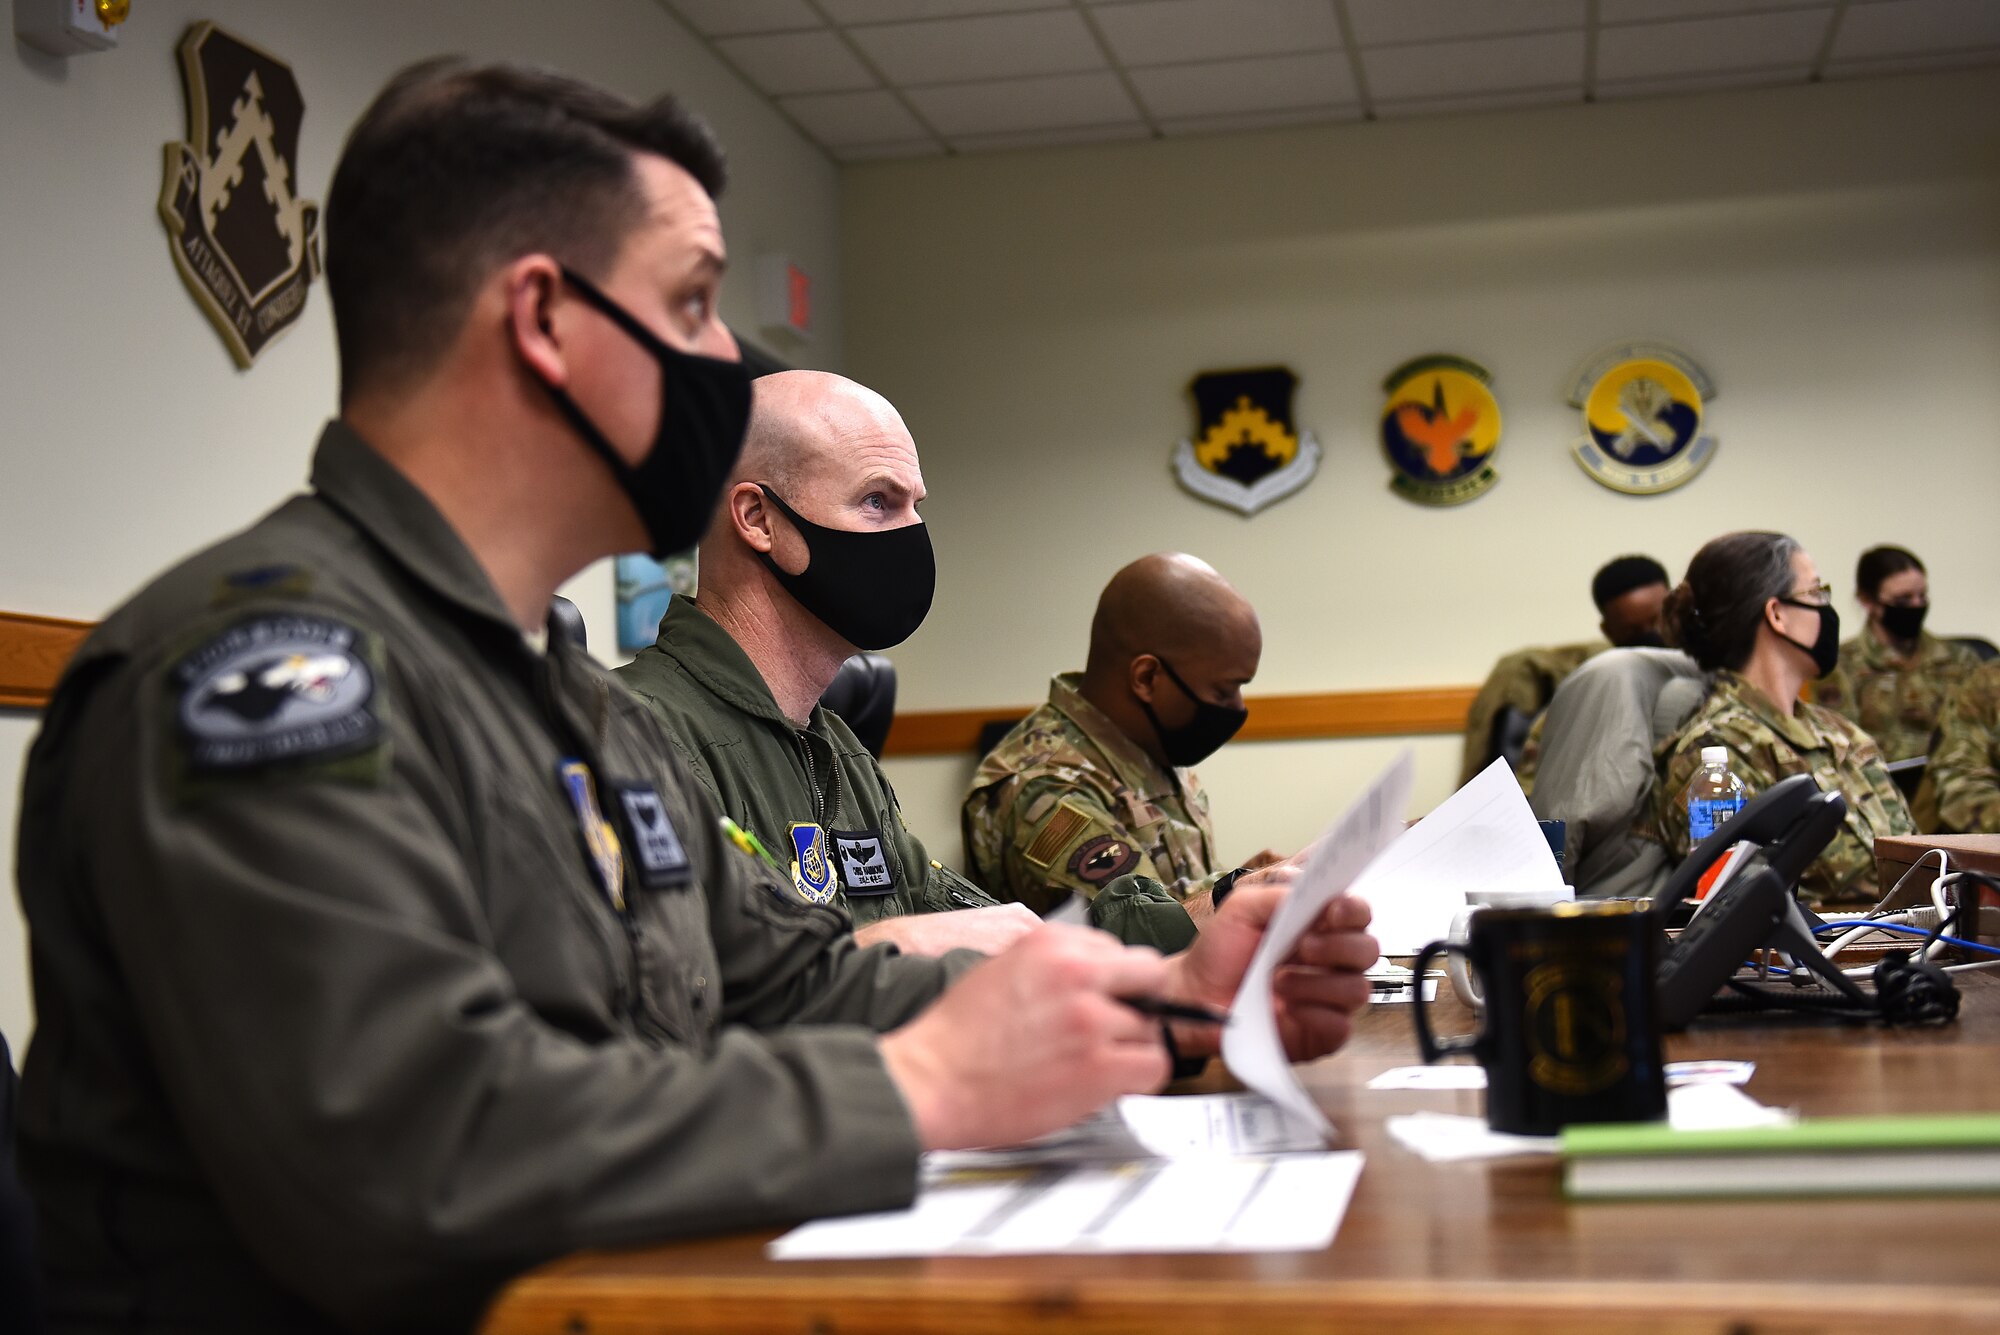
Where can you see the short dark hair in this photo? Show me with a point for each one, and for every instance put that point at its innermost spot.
(455, 169)
(1621, 576)
(1878, 563)
(1714, 613)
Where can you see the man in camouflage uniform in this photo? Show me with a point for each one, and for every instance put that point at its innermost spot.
(1767, 744)
(1894, 697)
(1094, 785)
(1961, 789)
(1629, 592)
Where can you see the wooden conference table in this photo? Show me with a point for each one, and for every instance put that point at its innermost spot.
(1485, 1246)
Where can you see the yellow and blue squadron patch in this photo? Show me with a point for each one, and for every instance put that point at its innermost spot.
(1643, 406)
(812, 864)
(600, 840)
(1440, 427)
(1247, 452)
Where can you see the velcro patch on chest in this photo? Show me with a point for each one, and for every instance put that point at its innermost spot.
(812, 866)
(276, 689)
(1102, 860)
(864, 862)
(657, 853)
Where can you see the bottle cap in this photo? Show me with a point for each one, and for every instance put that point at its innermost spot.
(1715, 755)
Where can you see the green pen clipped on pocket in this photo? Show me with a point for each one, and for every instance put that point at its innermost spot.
(748, 842)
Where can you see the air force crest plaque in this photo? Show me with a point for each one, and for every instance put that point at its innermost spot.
(1440, 427)
(1246, 453)
(1643, 405)
(247, 245)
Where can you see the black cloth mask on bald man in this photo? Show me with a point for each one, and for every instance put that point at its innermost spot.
(1203, 735)
(872, 589)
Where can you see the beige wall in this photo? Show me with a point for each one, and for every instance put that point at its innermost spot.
(130, 437)
(1831, 254)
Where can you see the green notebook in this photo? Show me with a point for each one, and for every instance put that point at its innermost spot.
(1923, 1154)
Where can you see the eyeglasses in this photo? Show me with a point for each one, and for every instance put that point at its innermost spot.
(1819, 595)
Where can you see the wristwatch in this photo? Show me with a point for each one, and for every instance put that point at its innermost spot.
(1223, 885)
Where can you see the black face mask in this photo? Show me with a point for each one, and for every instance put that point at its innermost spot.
(871, 589)
(704, 411)
(1825, 650)
(1905, 623)
(1203, 735)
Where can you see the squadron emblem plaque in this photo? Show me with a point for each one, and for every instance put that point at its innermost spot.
(1440, 428)
(1643, 405)
(1246, 452)
(247, 245)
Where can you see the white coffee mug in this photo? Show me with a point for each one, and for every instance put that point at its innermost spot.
(1465, 982)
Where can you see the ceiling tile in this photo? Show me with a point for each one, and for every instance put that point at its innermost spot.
(1911, 27)
(901, 148)
(1648, 11)
(841, 119)
(1701, 46)
(1094, 134)
(729, 18)
(1260, 120)
(1167, 31)
(1444, 69)
(898, 11)
(1010, 106)
(1231, 87)
(1379, 21)
(1000, 46)
(1445, 106)
(1610, 90)
(797, 62)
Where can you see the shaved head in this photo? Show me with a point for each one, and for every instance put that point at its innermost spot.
(1171, 605)
(805, 425)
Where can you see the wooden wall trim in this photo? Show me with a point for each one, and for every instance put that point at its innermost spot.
(33, 651)
(1273, 718)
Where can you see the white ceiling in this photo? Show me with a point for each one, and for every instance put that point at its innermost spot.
(907, 78)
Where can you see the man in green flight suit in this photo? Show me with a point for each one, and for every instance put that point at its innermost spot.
(382, 950)
(816, 551)
(1095, 785)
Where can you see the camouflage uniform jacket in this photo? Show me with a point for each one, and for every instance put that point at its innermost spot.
(1067, 803)
(1523, 680)
(1766, 745)
(1895, 702)
(1961, 790)
(814, 797)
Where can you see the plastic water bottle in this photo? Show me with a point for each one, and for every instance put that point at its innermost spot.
(1713, 796)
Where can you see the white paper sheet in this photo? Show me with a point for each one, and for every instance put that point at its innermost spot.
(1695, 1106)
(1142, 1126)
(1206, 1204)
(1484, 836)
(1445, 1076)
(1251, 1045)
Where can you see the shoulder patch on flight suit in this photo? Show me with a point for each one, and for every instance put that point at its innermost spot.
(1103, 860)
(277, 689)
(1068, 821)
(657, 852)
(864, 862)
(812, 868)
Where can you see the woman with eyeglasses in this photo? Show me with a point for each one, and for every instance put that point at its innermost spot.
(1754, 613)
(1894, 675)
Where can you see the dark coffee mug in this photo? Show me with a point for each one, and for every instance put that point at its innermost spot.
(1571, 1032)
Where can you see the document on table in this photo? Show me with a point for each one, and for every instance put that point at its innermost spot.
(1482, 837)
(1251, 1044)
(1208, 1203)
(1150, 1126)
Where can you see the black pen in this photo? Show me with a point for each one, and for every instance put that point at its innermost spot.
(1175, 1010)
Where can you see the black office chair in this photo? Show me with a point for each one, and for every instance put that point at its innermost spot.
(20, 1280)
(566, 623)
(1986, 649)
(864, 695)
(1908, 774)
(1509, 737)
